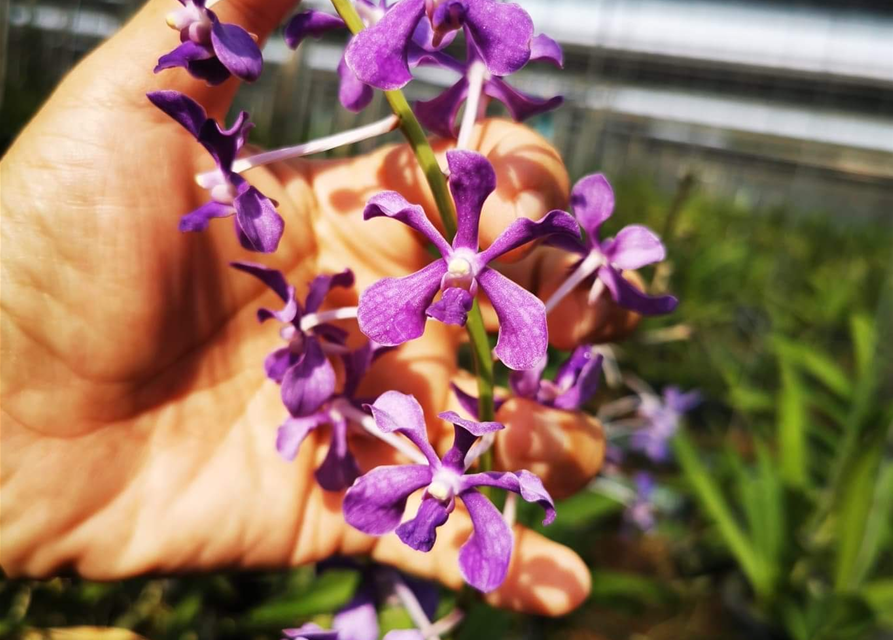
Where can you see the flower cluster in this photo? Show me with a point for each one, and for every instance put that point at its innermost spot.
(319, 369)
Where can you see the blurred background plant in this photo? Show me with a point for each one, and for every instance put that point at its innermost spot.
(757, 138)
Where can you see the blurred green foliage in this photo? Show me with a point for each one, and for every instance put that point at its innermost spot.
(784, 474)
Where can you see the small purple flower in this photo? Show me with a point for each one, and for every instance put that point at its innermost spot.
(501, 32)
(575, 383)
(305, 374)
(377, 500)
(211, 50)
(440, 115)
(258, 226)
(662, 421)
(641, 512)
(394, 310)
(635, 246)
(310, 631)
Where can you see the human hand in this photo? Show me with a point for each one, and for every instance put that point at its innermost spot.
(138, 426)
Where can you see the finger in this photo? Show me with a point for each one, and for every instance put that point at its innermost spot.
(123, 65)
(544, 578)
(564, 448)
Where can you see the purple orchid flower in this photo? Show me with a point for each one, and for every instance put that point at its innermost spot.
(258, 226)
(310, 631)
(305, 374)
(635, 246)
(575, 383)
(640, 513)
(394, 310)
(377, 500)
(440, 115)
(211, 50)
(662, 417)
(502, 33)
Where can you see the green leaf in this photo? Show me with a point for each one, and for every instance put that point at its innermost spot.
(326, 594)
(714, 504)
(879, 595)
(484, 621)
(864, 336)
(858, 508)
(817, 364)
(610, 586)
(792, 418)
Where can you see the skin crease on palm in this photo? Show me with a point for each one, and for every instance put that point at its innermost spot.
(137, 424)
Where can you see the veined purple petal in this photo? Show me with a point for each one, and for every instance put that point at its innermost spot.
(237, 51)
(523, 332)
(466, 432)
(395, 411)
(257, 218)
(592, 201)
(527, 484)
(524, 230)
(520, 105)
(502, 33)
(484, 559)
(353, 93)
(378, 55)
(566, 243)
(310, 23)
(358, 620)
(439, 115)
(323, 284)
(579, 376)
(339, 469)
(279, 362)
(544, 48)
(526, 384)
(211, 71)
(629, 297)
(198, 220)
(472, 180)
(452, 308)
(420, 533)
(392, 311)
(467, 401)
(377, 500)
(292, 433)
(392, 205)
(634, 247)
(475, 428)
(308, 384)
(186, 111)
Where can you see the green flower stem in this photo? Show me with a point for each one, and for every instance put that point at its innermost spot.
(414, 133)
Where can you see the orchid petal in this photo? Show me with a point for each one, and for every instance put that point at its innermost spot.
(354, 94)
(420, 533)
(502, 33)
(310, 23)
(358, 619)
(237, 51)
(199, 219)
(592, 201)
(544, 48)
(484, 559)
(186, 111)
(395, 411)
(524, 230)
(629, 297)
(525, 483)
(440, 114)
(634, 247)
(376, 501)
(526, 384)
(392, 311)
(392, 205)
(521, 105)
(323, 284)
(472, 180)
(378, 55)
(452, 308)
(523, 333)
(579, 376)
(279, 362)
(292, 433)
(258, 220)
(339, 469)
(308, 384)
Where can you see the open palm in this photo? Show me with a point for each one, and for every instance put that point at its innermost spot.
(138, 428)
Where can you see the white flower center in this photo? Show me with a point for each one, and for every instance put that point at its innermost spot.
(459, 267)
(440, 490)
